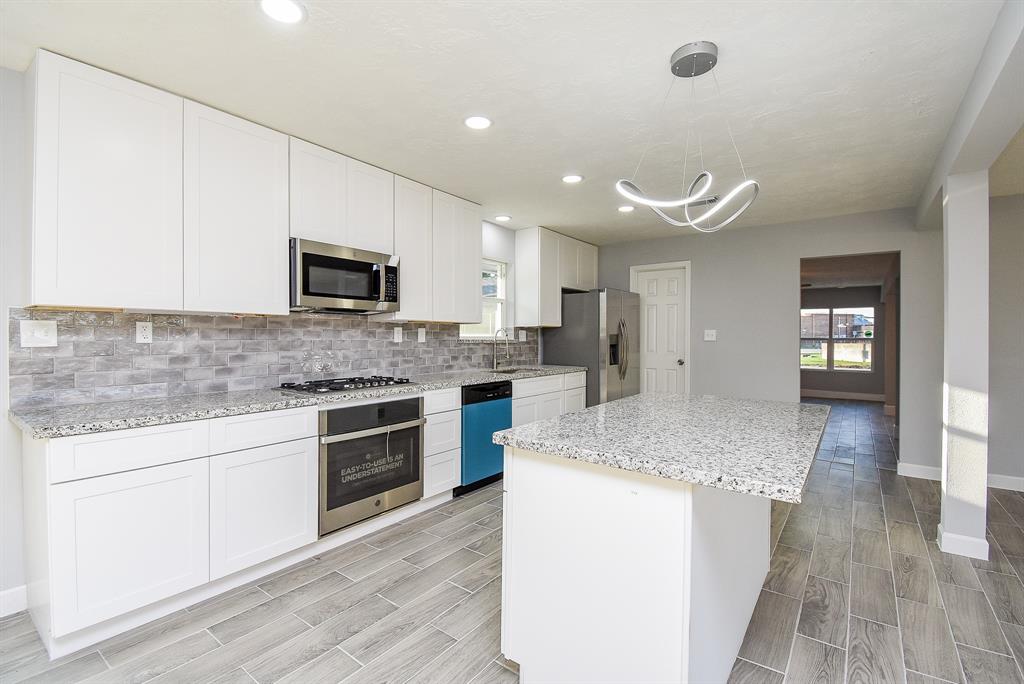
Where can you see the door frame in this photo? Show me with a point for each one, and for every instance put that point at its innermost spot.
(634, 286)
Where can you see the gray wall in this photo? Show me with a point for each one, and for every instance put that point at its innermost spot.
(13, 250)
(860, 382)
(1006, 336)
(748, 279)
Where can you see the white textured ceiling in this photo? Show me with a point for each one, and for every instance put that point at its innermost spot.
(837, 107)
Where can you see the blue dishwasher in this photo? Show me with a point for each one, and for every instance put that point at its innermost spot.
(486, 408)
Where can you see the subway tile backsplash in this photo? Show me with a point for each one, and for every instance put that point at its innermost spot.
(97, 359)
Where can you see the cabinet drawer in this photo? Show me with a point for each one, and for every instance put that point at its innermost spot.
(74, 458)
(574, 399)
(442, 400)
(259, 429)
(443, 432)
(530, 387)
(574, 380)
(442, 472)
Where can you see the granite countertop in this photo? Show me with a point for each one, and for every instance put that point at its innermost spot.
(763, 448)
(81, 419)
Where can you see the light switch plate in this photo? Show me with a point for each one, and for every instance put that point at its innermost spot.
(522, 335)
(143, 332)
(421, 335)
(710, 335)
(398, 334)
(38, 333)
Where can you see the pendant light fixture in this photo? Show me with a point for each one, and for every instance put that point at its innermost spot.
(690, 61)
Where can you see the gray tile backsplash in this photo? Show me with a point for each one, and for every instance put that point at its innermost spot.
(97, 359)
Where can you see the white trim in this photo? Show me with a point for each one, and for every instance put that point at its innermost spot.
(889, 409)
(634, 286)
(1014, 482)
(962, 545)
(829, 394)
(13, 600)
(924, 472)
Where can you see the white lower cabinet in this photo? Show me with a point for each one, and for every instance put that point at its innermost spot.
(540, 407)
(575, 399)
(442, 472)
(263, 502)
(119, 542)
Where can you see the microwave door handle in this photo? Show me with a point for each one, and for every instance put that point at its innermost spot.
(349, 436)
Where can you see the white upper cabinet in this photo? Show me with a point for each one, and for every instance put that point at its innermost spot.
(414, 220)
(577, 264)
(457, 257)
(318, 192)
(236, 214)
(538, 284)
(107, 216)
(370, 208)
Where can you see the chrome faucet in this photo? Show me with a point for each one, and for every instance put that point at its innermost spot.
(508, 354)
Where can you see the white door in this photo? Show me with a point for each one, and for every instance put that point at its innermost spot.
(575, 399)
(107, 219)
(550, 299)
(568, 262)
(469, 257)
(525, 410)
(263, 502)
(442, 472)
(662, 323)
(120, 542)
(317, 194)
(445, 251)
(236, 214)
(414, 222)
(587, 266)
(551, 405)
(371, 208)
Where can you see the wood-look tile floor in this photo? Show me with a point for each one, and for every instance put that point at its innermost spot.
(857, 592)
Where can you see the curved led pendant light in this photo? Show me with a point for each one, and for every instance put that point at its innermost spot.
(689, 61)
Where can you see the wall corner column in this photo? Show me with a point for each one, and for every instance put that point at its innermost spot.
(965, 246)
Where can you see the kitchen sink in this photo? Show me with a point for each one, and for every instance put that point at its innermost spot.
(510, 371)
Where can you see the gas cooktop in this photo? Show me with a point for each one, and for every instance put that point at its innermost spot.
(343, 384)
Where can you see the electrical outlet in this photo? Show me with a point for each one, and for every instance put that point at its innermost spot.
(398, 334)
(522, 335)
(421, 335)
(38, 333)
(143, 332)
(710, 335)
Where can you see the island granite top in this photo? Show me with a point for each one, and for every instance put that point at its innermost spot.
(82, 419)
(762, 448)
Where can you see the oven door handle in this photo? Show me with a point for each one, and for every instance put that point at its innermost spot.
(383, 429)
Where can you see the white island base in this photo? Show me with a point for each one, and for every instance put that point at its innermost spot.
(616, 576)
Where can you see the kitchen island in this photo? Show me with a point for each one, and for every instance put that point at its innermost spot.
(636, 533)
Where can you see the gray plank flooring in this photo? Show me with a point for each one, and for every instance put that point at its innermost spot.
(858, 591)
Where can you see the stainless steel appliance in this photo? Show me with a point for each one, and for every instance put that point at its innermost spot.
(371, 460)
(600, 330)
(343, 384)
(328, 277)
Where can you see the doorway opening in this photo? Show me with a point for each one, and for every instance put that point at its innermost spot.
(850, 329)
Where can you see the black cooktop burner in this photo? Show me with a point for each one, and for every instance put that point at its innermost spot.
(342, 384)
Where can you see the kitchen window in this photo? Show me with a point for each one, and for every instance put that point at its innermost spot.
(837, 339)
(494, 292)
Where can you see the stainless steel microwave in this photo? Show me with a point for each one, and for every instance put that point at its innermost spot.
(327, 277)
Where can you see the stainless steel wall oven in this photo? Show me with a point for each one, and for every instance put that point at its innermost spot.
(371, 460)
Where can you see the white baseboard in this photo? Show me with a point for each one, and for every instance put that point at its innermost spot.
(962, 545)
(13, 600)
(828, 394)
(1006, 482)
(922, 471)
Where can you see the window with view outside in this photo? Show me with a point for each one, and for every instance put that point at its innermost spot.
(841, 338)
(493, 288)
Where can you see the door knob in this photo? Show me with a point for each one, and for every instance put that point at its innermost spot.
(680, 362)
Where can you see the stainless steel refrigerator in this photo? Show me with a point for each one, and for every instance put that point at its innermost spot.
(600, 330)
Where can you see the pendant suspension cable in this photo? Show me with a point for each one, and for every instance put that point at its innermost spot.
(728, 127)
(654, 128)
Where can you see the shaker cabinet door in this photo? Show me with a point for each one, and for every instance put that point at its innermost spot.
(236, 214)
(371, 208)
(120, 542)
(414, 222)
(318, 193)
(263, 503)
(107, 216)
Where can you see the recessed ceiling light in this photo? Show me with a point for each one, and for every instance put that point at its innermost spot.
(503, 218)
(478, 122)
(626, 208)
(284, 11)
(572, 178)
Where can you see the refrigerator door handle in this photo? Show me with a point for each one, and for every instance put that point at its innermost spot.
(623, 349)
